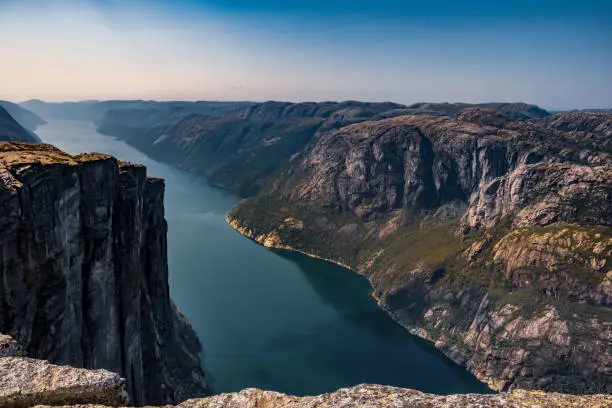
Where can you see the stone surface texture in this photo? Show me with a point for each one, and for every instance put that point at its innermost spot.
(379, 396)
(26, 382)
(9, 347)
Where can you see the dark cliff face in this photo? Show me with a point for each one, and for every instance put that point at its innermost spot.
(12, 131)
(84, 271)
(487, 235)
(416, 163)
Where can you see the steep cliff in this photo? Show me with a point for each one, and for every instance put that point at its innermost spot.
(83, 271)
(487, 235)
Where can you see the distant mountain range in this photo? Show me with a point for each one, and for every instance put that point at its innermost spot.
(225, 137)
(593, 110)
(95, 111)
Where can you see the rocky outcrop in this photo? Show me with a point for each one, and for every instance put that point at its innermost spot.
(486, 235)
(542, 194)
(25, 382)
(83, 272)
(582, 122)
(9, 347)
(379, 396)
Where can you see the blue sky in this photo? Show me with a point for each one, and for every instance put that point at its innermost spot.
(554, 53)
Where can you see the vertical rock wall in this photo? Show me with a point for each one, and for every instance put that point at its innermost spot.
(84, 274)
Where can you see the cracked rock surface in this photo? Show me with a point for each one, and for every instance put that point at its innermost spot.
(25, 382)
(379, 396)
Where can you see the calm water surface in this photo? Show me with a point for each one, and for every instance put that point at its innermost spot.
(266, 318)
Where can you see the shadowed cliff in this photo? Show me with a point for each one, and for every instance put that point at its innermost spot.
(84, 270)
(12, 131)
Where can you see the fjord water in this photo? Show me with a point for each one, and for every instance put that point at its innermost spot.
(271, 319)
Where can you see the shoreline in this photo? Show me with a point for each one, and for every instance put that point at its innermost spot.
(270, 243)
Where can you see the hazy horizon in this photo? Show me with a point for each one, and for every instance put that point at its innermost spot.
(299, 101)
(555, 54)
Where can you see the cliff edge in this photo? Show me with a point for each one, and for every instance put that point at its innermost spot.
(83, 271)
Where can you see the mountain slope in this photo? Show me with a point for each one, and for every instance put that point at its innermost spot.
(240, 149)
(487, 235)
(261, 137)
(24, 117)
(12, 131)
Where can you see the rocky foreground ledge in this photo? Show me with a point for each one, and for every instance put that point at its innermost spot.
(370, 396)
(26, 382)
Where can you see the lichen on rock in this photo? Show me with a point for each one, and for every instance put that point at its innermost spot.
(381, 396)
(26, 382)
(9, 347)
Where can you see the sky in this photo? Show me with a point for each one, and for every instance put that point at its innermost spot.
(557, 54)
